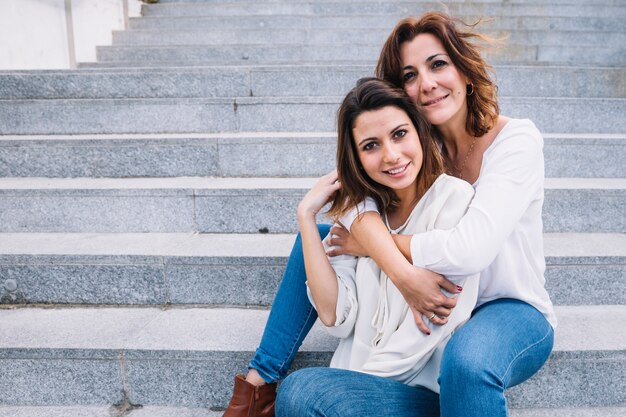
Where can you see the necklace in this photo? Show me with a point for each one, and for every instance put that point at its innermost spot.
(455, 169)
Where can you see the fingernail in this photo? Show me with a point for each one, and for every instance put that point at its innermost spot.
(459, 288)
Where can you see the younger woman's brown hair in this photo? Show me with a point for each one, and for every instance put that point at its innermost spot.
(482, 101)
(374, 94)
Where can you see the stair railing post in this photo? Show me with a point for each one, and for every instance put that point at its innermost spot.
(125, 11)
(69, 26)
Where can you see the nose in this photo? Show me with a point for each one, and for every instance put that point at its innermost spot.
(390, 154)
(426, 82)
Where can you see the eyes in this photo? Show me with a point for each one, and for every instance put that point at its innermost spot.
(373, 144)
(410, 76)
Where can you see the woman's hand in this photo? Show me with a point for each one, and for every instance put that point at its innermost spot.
(421, 289)
(317, 197)
(343, 243)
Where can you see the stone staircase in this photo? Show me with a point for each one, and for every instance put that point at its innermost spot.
(147, 201)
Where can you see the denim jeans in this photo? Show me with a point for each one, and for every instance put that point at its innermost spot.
(328, 392)
(504, 343)
(290, 320)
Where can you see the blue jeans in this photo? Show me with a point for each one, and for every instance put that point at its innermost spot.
(328, 392)
(504, 343)
(290, 320)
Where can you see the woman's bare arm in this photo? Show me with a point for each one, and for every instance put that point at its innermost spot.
(321, 277)
(421, 288)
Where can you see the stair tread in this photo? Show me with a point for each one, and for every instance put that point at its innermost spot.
(239, 183)
(569, 245)
(160, 411)
(254, 137)
(581, 329)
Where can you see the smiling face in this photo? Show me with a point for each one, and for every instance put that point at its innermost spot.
(389, 149)
(434, 82)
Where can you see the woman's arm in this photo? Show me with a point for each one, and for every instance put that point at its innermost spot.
(420, 288)
(343, 243)
(509, 196)
(321, 277)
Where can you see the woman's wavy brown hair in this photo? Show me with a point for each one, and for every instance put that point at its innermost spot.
(374, 94)
(482, 104)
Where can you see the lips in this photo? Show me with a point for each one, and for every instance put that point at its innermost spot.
(397, 170)
(434, 101)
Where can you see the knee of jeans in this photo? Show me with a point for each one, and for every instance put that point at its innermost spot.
(459, 363)
(292, 397)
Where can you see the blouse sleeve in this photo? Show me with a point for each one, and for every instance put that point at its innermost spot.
(511, 178)
(366, 205)
(345, 269)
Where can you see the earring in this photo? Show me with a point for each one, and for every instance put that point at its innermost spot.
(469, 89)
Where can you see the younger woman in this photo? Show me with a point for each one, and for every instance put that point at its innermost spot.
(387, 160)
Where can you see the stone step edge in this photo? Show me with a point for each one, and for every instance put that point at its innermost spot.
(294, 136)
(562, 245)
(8, 184)
(165, 411)
(371, 63)
(581, 329)
(334, 100)
(522, 46)
(310, 66)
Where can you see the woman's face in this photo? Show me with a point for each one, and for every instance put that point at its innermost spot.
(389, 148)
(433, 81)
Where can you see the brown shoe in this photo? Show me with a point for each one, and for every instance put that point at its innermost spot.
(251, 400)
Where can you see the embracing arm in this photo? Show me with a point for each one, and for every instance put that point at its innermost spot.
(509, 196)
(420, 288)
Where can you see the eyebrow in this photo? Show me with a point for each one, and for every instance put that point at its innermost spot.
(430, 58)
(391, 131)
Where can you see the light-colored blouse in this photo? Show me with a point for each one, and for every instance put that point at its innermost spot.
(376, 327)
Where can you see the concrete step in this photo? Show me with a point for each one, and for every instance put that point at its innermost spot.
(226, 2)
(331, 53)
(163, 269)
(187, 357)
(571, 2)
(278, 154)
(276, 53)
(382, 8)
(348, 37)
(242, 205)
(310, 114)
(286, 80)
(358, 21)
(164, 411)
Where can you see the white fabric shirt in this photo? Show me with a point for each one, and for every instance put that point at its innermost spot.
(501, 235)
(377, 329)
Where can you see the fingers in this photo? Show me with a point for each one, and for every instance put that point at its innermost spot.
(338, 230)
(337, 240)
(442, 312)
(338, 235)
(449, 286)
(419, 321)
(335, 252)
(439, 321)
(440, 304)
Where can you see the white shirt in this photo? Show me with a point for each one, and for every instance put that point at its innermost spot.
(377, 329)
(501, 235)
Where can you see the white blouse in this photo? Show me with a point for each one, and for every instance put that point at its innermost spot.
(377, 329)
(501, 236)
